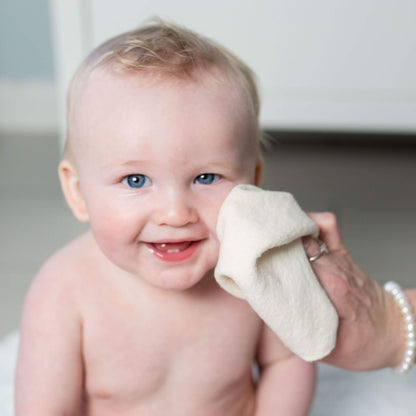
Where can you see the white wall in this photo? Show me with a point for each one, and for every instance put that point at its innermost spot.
(27, 88)
(322, 65)
(334, 65)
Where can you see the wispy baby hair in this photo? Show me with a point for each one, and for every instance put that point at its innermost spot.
(160, 48)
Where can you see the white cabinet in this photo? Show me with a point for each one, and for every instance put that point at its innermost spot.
(321, 65)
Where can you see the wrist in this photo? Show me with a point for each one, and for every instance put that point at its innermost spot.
(395, 329)
(402, 327)
(411, 297)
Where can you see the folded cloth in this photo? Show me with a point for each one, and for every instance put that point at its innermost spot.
(262, 260)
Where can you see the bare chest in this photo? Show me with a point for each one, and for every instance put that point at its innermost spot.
(161, 349)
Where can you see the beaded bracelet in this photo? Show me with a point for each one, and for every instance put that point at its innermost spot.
(409, 321)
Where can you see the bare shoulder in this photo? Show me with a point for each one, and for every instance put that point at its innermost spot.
(58, 283)
(74, 256)
(49, 369)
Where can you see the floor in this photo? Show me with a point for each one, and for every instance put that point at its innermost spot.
(370, 187)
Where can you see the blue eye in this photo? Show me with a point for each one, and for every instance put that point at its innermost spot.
(207, 178)
(136, 181)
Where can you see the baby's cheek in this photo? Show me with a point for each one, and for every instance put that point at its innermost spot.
(111, 227)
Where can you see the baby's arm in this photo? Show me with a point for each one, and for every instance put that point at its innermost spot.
(49, 371)
(286, 384)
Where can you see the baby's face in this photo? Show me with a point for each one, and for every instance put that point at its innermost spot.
(155, 161)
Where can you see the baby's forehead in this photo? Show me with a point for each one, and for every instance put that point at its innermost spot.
(103, 82)
(106, 93)
(108, 77)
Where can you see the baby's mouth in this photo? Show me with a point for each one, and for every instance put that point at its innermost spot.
(173, 251)
(172, 247)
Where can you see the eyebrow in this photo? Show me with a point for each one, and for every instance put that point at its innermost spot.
(133, 162)
(218, 163)
(129, 163)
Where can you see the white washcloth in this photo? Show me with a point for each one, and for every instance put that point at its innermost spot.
(262, 260)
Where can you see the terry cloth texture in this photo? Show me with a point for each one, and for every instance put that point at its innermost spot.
(262, 260)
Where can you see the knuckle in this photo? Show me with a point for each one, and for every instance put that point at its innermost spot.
(330, 218)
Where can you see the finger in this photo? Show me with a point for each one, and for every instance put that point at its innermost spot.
(328, 229)
(311, 246)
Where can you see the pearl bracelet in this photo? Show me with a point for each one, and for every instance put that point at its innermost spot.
(409, 322)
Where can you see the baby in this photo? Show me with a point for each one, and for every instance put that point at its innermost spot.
(128, 318)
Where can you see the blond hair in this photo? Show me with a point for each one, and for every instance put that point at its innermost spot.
(165, 49)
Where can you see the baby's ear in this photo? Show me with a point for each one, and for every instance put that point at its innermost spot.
(72, 191)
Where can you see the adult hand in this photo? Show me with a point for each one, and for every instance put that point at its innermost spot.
(371, 329)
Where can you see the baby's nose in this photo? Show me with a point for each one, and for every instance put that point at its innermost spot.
(176, 211)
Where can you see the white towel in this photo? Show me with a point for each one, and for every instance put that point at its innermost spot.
(262, 260)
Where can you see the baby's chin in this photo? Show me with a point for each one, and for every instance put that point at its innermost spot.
(184, 277)
(181, 283)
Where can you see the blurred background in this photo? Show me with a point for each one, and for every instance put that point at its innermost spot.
(338, 86)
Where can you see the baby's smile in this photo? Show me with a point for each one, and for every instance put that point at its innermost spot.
(172, 247)
(174, 251)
